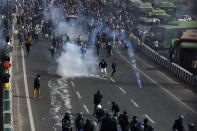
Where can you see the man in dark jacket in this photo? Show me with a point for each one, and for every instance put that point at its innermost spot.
(115, 108)
(103, 66)
(114, 65)
(124, 121)
(178, 124)
(79, 122)
(100, 113)
(66, 123)
(97, 100)
(147, 127)
(36, 86)
(106, 123)
(88, 126)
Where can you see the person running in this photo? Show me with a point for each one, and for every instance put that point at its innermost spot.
(114, 65)
(66, 123)
(36, 86)
(97, 100)
(103, 66)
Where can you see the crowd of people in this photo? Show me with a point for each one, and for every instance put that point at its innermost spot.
(113, 26)
(114, 122)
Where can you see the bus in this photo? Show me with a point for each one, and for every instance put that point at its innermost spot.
(187, 51)
(165, 33)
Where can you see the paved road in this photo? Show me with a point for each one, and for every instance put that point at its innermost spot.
(162, 97)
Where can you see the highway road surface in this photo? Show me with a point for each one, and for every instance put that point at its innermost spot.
(161, 99)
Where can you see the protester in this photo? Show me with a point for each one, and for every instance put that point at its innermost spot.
(103, 67)
(114, 65)
(179, 124)
(66, 123)
(88, 125)
(115, 108)
(100, 113)
(124, 121)
(79, 122)
(97, 100)
(36, 86)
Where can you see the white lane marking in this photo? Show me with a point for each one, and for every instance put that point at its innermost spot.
(134, 103)
(72, 83)
(27, 94)
(86, 108)
(122, 90)
(112, 80)
(94, 122)
(79, 96)
(163, 88)
(148, 117)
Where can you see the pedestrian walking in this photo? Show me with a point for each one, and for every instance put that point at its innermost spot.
(103, 67)
(97, 100)
(114, 65)
(36, 86)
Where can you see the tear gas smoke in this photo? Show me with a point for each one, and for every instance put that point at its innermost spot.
(72, 63)
(133, 61)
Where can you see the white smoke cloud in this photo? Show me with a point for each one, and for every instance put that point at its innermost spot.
(72, 63)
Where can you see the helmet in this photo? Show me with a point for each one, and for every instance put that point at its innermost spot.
(67, 114)
(191, 125)
(99, 106)
(181, 117)
(115, 118)
(80, 114)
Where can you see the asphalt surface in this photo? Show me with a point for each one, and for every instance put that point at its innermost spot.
(161, 99)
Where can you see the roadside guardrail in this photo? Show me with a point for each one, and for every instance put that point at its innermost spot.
(177, 70)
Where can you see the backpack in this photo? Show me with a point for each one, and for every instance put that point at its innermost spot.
(122, 119)
(80, 123)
